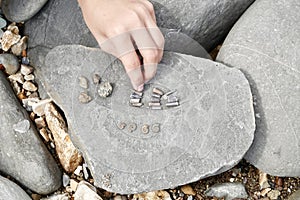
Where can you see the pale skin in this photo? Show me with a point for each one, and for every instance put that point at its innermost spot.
(122, 26)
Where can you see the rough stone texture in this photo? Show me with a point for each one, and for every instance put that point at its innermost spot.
(229, 191)
(68, 155)
(207, 134)
(11, 191)
(207, 21)
(264, 44)
(86, 191)
(23, 154)
(21, 10)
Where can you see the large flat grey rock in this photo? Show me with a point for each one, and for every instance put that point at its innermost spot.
(264, 44)
(22, 153)
(11, 191)
(207, 21)
(207, 134)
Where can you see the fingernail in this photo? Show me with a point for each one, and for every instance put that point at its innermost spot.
(140, 88)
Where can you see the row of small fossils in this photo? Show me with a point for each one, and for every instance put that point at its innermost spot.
(156, 99)
(145, 128)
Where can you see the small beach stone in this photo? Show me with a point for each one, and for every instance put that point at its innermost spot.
(16, 87)
(29, 77)
(8, 39)
(105, 89)
(39, 107)
(86, 191)
(20, 46)
(66, 180)
(29, 86)
(26, 70)
(21, 10)
(68, 155)
(11, 191)
(10, 63)
(18, 77)
(43, 132)
(40, 122)
(229, 191)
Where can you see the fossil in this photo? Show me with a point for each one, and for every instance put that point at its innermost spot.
(105, 89)
(121, 125)
(132, 127)
(157, 91)
(155, 128)
(145, 128)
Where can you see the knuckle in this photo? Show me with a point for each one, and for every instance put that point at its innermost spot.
(130, 63)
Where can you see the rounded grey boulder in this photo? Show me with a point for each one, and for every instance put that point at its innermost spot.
(21, 10)
(23, 155)
(264, 44)
(11, 191)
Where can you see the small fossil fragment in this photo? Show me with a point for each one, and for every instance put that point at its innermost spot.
(83, 82)
(132, 101)
(157, 91)
(84, 97)
(165, 96)
(105, 89)
(156, 95)
(172, 99)
(154, 104)
(155, 100)
(121, 125)
(135, 96)
(156, 108)
(132, 127)
(138, 93)
(96, 78)
(155, 128)
(173, 104)
(145, 128)
(137, 104)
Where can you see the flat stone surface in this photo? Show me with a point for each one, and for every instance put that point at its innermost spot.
(22, 153)
(21, 10)
(207, 134)
(11, 191)
(264, 44)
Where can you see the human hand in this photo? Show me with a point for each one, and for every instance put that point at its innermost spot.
(122, 26)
